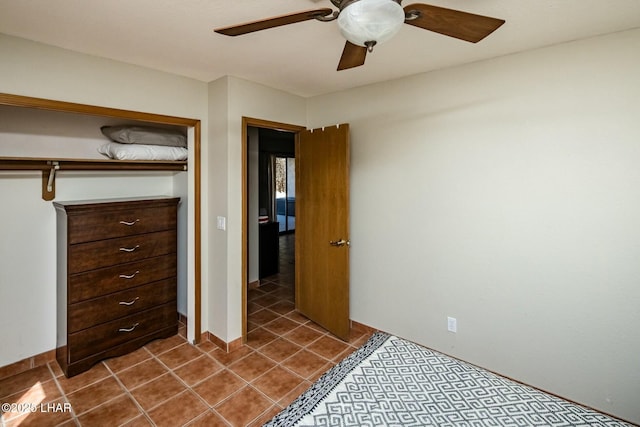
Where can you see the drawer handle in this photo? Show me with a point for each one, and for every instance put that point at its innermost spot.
(128, 329)
(130, 223)
(133, 301)
(131, 276)
(130, 249)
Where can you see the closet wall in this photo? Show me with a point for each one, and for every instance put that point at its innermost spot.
(27, 223)
(231, 99)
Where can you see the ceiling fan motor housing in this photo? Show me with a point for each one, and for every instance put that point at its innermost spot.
(369, 22)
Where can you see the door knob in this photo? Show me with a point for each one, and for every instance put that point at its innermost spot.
(340, 242)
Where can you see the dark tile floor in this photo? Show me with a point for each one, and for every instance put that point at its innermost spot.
(173, 383)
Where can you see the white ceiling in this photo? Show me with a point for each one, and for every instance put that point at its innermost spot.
(177, 36)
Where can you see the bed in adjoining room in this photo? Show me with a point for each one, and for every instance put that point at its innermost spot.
(390, 381)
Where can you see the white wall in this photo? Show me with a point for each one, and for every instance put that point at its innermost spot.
(215, 256)
(235, 98)
(505, 193)
(27, 223)
(247, 99)
(229, 100)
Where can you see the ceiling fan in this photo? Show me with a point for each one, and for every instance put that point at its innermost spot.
(365, 23)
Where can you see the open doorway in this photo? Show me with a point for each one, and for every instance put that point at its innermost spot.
(271, 193)
(320, 279)
(269, 218)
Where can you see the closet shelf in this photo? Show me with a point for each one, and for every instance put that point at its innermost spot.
(49, 167)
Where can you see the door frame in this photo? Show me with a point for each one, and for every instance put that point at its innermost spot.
(259, 123)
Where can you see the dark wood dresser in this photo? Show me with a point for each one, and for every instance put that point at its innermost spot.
(117, 262)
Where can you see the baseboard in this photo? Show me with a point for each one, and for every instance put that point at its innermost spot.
(50, 356)
(222, 344)
(237, 343)
(361, 327)
(182, 318)
(28, 363)
(254, 285)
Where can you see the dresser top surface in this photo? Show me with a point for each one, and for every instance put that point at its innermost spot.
(124, 202)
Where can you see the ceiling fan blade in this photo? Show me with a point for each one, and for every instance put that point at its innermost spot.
(264, 24)
(453, 23)
(352, 56)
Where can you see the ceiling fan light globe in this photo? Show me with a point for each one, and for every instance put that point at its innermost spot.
(370, 21)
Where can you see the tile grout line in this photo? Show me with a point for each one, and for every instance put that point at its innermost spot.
(128, 393)
(74, 416)
(187, 386)
(191, 387)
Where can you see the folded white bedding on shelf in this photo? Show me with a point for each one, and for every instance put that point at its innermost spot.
(142, 152)
(143, 143)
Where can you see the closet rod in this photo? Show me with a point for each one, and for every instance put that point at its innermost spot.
(28, 163)
(50, 167)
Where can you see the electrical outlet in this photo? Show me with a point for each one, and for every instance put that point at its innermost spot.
(452, 324)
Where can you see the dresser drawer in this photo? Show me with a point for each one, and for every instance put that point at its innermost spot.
(120, 304)
(103, 281)
(104, 253)
(119, 223)
(99, 338)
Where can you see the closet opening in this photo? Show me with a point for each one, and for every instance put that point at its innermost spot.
(40, 135)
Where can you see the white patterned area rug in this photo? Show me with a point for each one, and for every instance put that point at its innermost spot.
(393, 382)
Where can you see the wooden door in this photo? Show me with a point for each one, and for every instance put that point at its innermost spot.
(322, 227)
